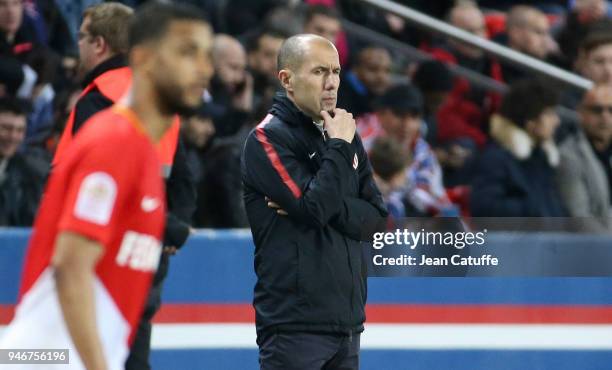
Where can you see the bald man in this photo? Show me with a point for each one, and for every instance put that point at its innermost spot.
(311, 200)
(229, 60)
(528, 31)
(468, 17)
(231, 86)
(585, 172)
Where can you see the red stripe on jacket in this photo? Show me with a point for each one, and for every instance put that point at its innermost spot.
(275, 159)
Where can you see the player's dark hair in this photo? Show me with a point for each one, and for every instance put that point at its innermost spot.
(151, 21)
(527, 100)
(12, 105)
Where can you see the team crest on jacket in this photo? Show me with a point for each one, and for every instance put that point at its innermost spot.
(355, 162)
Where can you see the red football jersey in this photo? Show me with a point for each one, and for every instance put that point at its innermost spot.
(108, 188)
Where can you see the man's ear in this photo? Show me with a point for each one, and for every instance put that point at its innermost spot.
(101, 46)
(285, 77)
(140, 56)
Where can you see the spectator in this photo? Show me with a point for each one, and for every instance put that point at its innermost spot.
(197, 132)
(468, 17)
(465, 114)
(17, 38)
(40, 120)
(398, 115)
(22, 177)
(435, 82)
(594, 62)
(578, 24)
(231, 86)
(515, 174)
(390, 161)
(369, 77)
(528, 31)
(262, 50)
(323, 21)
(215, 164)
(585, 171)
(102, 48)
(595, 57)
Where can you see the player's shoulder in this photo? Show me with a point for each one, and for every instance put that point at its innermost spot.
(112, 128)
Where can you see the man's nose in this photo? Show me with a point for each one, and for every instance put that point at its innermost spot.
(332, 81)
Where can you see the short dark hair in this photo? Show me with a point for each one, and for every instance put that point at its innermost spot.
(401, 99)
(151, 21)
(318, 9)
(527, 100)
(252, 40)
(357, 56)
(388, 157)
(595, 39)
(12, 105)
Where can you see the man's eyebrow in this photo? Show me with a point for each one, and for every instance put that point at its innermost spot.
(326, 68)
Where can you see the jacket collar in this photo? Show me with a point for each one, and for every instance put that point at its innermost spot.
(286, 110)
(516, 140)
(114, 62)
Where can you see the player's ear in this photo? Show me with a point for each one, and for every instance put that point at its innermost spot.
(140, 55)
(285, 77)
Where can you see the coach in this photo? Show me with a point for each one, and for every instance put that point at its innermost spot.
(311, 201)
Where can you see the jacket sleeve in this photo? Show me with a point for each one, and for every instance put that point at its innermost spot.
(360, 217)
(181, 196)
(574, 193)
(271, 168)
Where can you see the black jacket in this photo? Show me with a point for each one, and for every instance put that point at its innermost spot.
(21, 187)
(94, 101)
(310, 272)
(514, 177)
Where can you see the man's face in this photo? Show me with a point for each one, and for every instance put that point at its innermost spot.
(597, 64)
(470, 20)
(596, 114)
(181, 66)
(231, 67)
(11, 15)
(314, 85)
(324, 26)
(591, 10)
(534, 38)
(402, 127)
(198, 130)
(263, 60)
(87, 48)
(12, 133)
(543, 128)
(374, 70)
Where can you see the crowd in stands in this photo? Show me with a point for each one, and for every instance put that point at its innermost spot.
(439, 144)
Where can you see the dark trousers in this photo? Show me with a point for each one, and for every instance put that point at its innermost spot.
(308, 351)
(141, 347)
